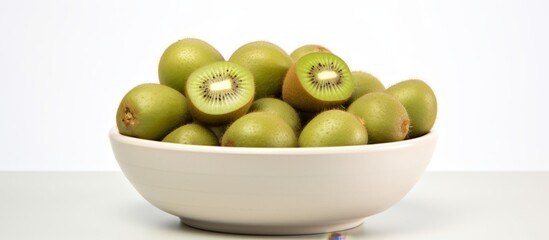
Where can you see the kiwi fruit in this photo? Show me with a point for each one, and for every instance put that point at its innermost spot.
(259, 129)
(192, 133)
(317, 81)
(420, 102)
(220, 92)
(306, 49)
(385, 118)
(364, 83)
(150, 111)
(182, 58)
(280, 109)
(333, 128)
(267, 62)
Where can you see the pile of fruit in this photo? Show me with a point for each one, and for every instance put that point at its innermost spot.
(264, 97)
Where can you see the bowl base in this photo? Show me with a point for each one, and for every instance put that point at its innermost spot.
(273, 230)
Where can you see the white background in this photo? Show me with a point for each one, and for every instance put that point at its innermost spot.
(65, 65)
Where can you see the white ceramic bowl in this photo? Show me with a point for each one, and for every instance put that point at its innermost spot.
(275, 191)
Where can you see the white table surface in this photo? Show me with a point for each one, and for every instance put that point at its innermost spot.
(443, 205)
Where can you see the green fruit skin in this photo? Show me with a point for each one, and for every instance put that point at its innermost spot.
(385, 118)
(364, 83)
(280, 109)
(259, 129)
(333, 128)
(154, 109)
(420, 102)
(267, 62)
(306, 49)
(181, 58)
(192, 133)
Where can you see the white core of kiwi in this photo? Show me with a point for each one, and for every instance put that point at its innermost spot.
(326, 76)
(221, 86)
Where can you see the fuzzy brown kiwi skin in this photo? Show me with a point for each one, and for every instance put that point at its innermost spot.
(294, 94)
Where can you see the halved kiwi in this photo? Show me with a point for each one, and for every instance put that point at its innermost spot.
(317, 81)
(220, 92)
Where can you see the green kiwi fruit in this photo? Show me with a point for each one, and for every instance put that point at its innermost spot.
(420, 102)
(306, 49)
(181, 58)
(317, 81)
(385, 118)
(259, 129)
(364, 83)
(267, 62)
(220, 92)
(192, 133)
(150, 111)
(280, 109)
(333, 128)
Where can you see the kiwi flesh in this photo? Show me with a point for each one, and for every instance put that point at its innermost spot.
(385, 118)
(150, 111)
(183, 57)
(317, 81)
(333, 128)
(220, 93)
(259, 129)
(420, 102)
(192, 133)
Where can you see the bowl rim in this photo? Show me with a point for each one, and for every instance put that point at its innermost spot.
(115, 136)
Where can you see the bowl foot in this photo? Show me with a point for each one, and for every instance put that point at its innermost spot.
(274, 229)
